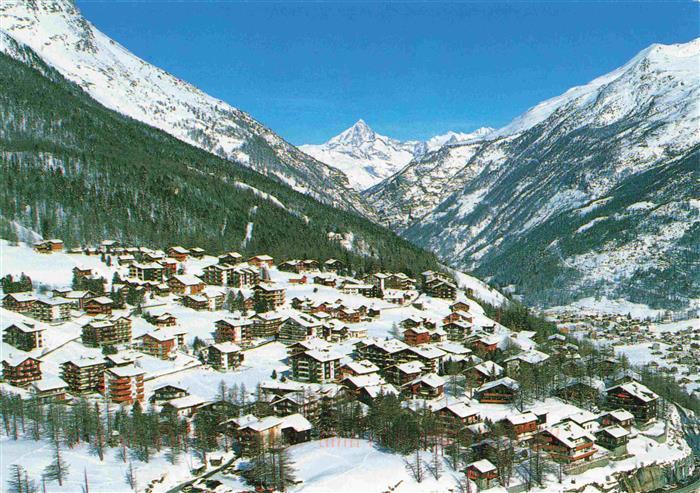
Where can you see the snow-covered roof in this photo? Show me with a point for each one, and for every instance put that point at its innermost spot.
(323, 355)
(126, 371)
(532, 356)
(297, 422)
(227, 347)
(615, 431)
(49, 383)
(186, 402)
(21, 297)
(621, 414)
(27, 327)
(506, 381)
(569, 432)
(187, 279)
(410, 367)
(522, 418)
(489, 368)
(362, 367)
(460, 409)
(430, 379)
(483, 466)
(428, 352)
(637, 390)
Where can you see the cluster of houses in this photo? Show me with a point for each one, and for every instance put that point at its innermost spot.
(413, 364)
(675, 352)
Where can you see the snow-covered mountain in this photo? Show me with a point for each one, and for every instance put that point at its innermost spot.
(594, 192)
(119, 80)
(367, 157)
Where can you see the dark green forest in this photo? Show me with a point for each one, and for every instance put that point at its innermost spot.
(74, 170)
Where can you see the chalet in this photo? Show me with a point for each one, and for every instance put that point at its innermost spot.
(52, 310)
(358, 368)
(266, 324)
(108, 331)
(168, 392)
(169, 265)
(458, 316)
(416, 335)
(124, 384)
(21, 370)
(501, 391)
(49, 246)
(25, 336)
(614, 438)
(348, 315)
(251, 431)
(80, 272)
(335, 331)
(317, 366)
(300, 327)
(186, 284)
(102, 305)
(485, 344)
(457, 330)
(268, 298)
(578, 391)
(585, 419)
(296, 429)
(224, 356)
(84, 374)
(429, 386)
(333, 265)
(261, 261)
(384, 353)
(178, 253)
(49, 389)
(183, 407)
(431, 357)
(403, 374)
(531, 359)
(327, 280)
(147, 272)
(357, 332)
(164, 320)
(77, 298)
(162, 343)
(298, 266)
(568, 443)
(366, 290)
(441, 289)
(483, 473)
(232, 329)
(126, 260)
(411, 322)
(618, 417)
(522, 426)
(455, 415)
(109, 246)
(635, 398)
(460, 306)
(209, 300)
(19, 302)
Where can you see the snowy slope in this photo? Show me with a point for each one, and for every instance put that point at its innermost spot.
(123, 82)
(589, 193)
(367, 157)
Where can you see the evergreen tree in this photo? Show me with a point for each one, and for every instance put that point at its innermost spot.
(57, 470)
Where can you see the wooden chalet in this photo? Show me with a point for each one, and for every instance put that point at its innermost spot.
(49, 389)
(165, 320)
(358, 368)
(316, 366)
(266, 324)
(453, 416)
(522, 426)
(230, 258)
(614, 438)
(21, 370)
(168, 392)
(486, 371)
(224, 356)
(483, 473)
(635, 398)
(107, 331)
(19, 302)
(404, 373)
(49, 246)
(261, 261)
(84, 374)
(102, 305)
(235, 330)
(568, 443)
(300, 327)
(415, 336)
(268, 297)
(501, 391)
(25, 336)
(52, 310)
(333, 265)
(183, 407)
(147, 272)
(178, 253)
(186, 284)
(162, 343)
(438, 288)
(207, 300)
(618, 417)
(429, 386)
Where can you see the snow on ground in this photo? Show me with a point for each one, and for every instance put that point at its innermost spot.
(605, 305)
(108, 476)
(352, 466)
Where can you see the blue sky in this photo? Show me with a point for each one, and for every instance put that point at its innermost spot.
(411, 70)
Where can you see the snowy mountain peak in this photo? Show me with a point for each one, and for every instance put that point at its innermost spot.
(367, 157)
(356, 135)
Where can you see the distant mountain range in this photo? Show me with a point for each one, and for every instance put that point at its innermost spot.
(367, 157)
(594, 192)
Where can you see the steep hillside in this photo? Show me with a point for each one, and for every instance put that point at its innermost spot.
(367, 157)
(112, 75)
(596, 192)
(76, 170)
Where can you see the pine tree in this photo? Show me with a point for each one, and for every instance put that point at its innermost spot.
(130, 477)
(15, 480)
(57, 470)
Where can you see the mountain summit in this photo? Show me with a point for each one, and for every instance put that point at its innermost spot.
(367, 157)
